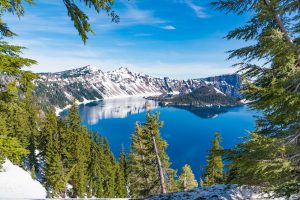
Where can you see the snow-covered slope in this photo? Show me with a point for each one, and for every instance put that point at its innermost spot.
(221, 192)
(89, 83)
(17, 183)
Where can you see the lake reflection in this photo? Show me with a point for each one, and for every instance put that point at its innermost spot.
(115, 108)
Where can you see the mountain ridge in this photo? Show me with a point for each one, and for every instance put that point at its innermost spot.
(89, 83)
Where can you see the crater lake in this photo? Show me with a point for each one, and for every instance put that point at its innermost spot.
(187, 130)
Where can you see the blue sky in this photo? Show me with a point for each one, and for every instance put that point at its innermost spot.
(175, 38)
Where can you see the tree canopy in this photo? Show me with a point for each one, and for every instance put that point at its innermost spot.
(272, 87)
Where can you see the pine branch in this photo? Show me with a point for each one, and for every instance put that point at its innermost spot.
(280, 23)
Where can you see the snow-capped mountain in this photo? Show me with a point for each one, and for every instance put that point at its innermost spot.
(228, 84)
(89, 83)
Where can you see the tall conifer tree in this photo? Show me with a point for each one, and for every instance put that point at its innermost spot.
(121, 183)
(53, 164)
(149, 163)
(214, 169)
(109, 171)
(273, 29)
(77, 151)
(187, 179)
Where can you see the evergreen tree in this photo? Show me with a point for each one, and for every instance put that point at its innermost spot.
(272, 167)
(16, 122)
(187, 179)
(10, 145)
(124, 163)
(121, 176)
(76, 151)
(149, 163)
(93, 166)
(142, 175)
(172, 182)
(100, 176)
(109, 171)
(33, 128)
(53, 164)
(214, 170)
(12, 149)
(274, 34)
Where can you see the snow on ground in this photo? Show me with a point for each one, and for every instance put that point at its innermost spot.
(16, 183)
(220, 192)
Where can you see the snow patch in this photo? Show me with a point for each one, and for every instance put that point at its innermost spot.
(219, 91)
(17, 183)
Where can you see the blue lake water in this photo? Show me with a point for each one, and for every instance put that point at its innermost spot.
(189, 132)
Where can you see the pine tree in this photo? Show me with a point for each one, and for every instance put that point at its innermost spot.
(53, 164)
(142, 175)
(148, 161)
(3, 128)
(273, 30)
(159, 145)
(121, 176)
(77, 150)
(101, 166)
(94, 167)
(124, 163)
(109, 171)
(10, 147)
(214, 170)
(17, 124)
(187, 179)
(258, 159)
(33, 128)
(172, 182)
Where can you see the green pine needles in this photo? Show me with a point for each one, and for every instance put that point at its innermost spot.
(214, 170)
(148, 161)
(187, 179)
(274, 90)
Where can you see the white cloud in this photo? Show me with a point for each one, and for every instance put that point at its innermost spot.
(199, 10)
(130, 15)
(135, 15)
(168, 27)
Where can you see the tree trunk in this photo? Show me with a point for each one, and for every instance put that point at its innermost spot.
(160, 168)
